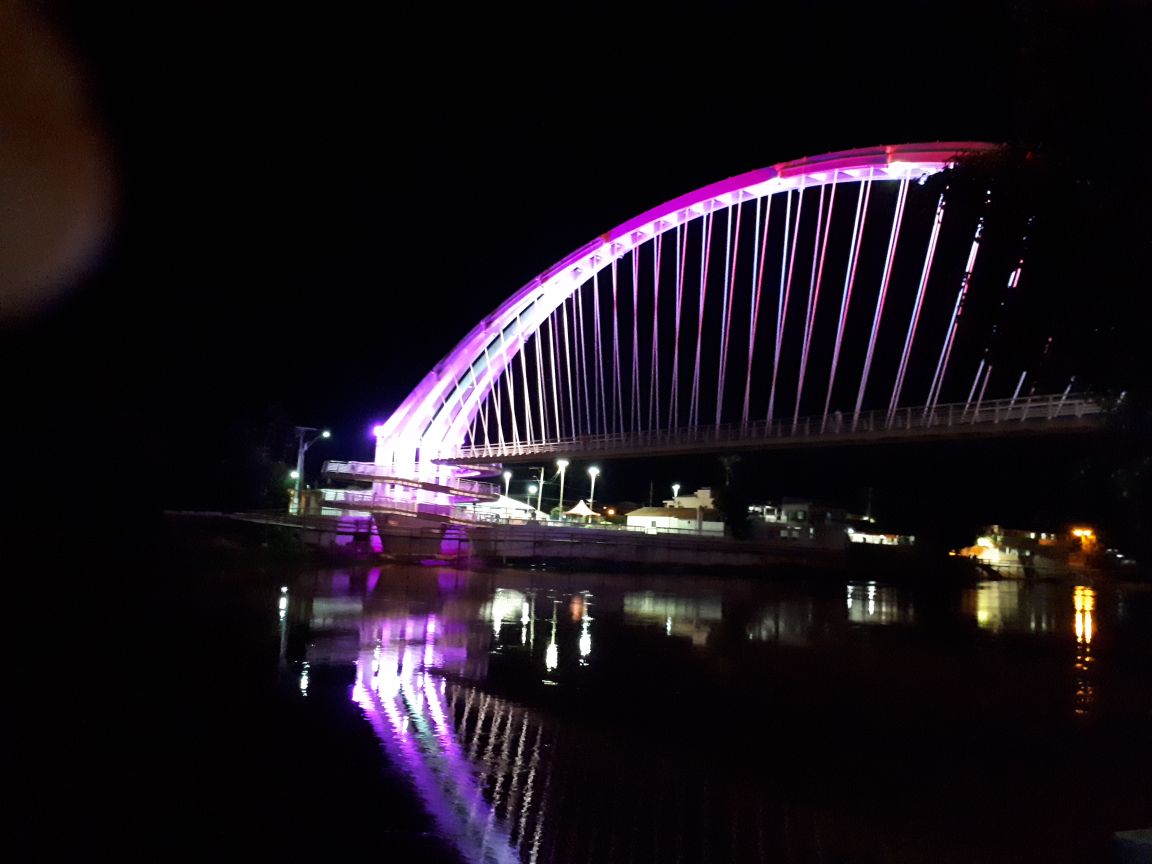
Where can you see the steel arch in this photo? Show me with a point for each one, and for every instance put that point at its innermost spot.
(438, 412)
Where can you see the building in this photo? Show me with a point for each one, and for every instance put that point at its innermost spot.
(695, 513)
(800, 521)
(698, 520)
(1019, 550)
(702, 498)
(876, 538)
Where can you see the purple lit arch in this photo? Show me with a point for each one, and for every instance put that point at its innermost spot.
(436, 418)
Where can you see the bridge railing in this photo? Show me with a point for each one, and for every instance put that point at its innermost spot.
(369, 471)
(869, 423)
(368, 500)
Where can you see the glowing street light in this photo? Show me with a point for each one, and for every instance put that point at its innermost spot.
(675, 493)
(302, 445)
(507, 480)
(532, 487)
(593, 472)
(562, 464)
(293, 475)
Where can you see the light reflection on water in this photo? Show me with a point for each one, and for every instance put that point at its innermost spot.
(408, 709)
(1018, 606)
(1084, 602)
(689, 616)
(508, 778)
(872, 603)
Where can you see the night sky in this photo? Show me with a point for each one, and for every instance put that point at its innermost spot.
(310, 209)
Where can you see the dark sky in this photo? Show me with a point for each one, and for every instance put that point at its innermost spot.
(313, 206)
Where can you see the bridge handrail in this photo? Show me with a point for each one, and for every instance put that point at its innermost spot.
(370, 499)
(1030, 409)
(462, 513)
(389, 474)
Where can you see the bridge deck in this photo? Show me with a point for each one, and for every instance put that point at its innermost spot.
(1001, 418)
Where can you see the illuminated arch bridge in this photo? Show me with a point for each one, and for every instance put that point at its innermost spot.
(812, 302)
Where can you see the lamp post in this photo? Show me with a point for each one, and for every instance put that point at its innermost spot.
(532, 487)
(593, 472)
(303, 442)
(507, 480)
(540, 496)
(675, 494)
(562, 464)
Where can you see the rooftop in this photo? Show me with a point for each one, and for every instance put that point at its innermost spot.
(675, 512)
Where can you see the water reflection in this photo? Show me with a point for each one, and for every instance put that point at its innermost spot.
(788, 621)
(1084, 604)
(407, 707)
(1015, 605)
(552, 652)
(513, 778)
(871, 603)
(507, 606)
(585, 644)
(690, 616)
(1018, 606)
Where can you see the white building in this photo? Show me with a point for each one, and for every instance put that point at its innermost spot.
(689, 519)
(702, 497)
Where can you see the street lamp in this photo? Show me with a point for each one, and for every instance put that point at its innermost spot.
(303, 442)
(675, 493)
(562, 464)
(507, 480)
(532, 487)
(593, 472)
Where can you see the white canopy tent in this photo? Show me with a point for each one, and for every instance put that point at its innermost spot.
(581, 509)
(508, 508)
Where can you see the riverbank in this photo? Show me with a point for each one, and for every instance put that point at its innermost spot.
(281, 539)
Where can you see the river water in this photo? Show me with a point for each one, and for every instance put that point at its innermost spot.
(553, 717)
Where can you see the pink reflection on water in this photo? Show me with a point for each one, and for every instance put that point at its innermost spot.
(405, 706)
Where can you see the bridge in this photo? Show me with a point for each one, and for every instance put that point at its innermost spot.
(994, 419)
(819, 302)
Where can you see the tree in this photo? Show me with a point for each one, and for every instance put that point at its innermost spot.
(732, 499)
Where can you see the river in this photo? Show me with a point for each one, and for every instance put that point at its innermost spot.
(553, 717)
(420, 714)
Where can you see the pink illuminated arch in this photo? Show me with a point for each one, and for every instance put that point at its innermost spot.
(437, 414)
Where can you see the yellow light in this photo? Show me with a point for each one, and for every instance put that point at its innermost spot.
(1084, 600)
(610, 512)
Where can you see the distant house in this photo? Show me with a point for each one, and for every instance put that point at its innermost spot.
(696, 519)
(702, 497)
(800, 522)
(1021, 549)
